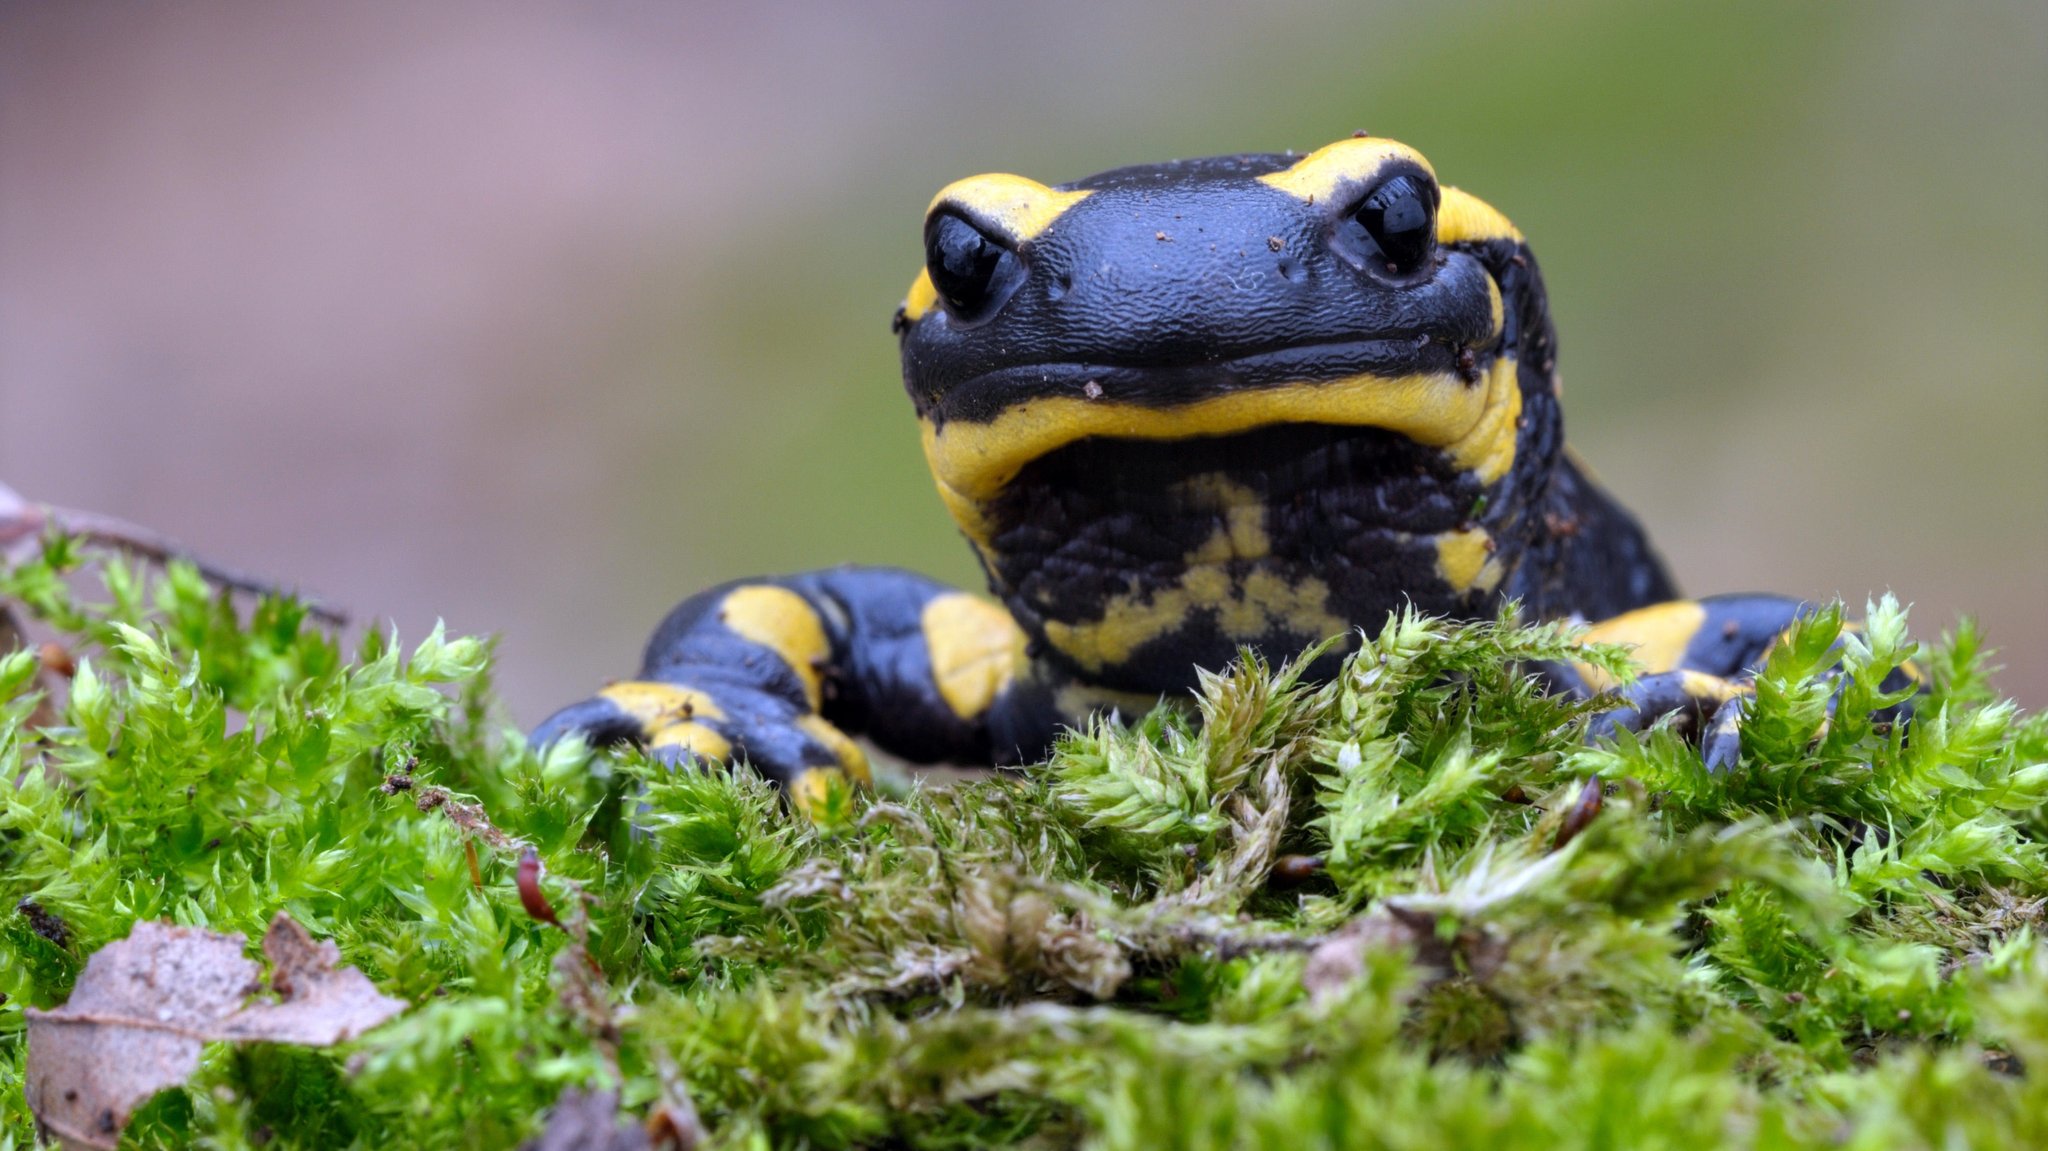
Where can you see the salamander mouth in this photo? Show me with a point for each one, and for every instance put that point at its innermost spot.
(1471, 421)
(984, 397)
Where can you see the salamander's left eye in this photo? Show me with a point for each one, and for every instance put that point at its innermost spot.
(973, 271)
(1398, 219)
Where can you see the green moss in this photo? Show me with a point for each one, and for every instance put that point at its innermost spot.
(1834, 946)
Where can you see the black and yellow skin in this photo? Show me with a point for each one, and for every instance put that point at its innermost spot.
(1181, 409)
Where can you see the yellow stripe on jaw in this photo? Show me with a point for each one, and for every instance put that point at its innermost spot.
(784, 623)
(977, 460)
(1477, 426)
(975, 650)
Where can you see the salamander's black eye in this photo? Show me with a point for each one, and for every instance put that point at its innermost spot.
(973, 271)
(1398, 218)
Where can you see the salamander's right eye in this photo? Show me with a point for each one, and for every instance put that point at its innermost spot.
(1398, 222)
(973, 271)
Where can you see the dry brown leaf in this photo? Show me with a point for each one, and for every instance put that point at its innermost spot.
(145, 1005)
(1340, 958)
(588, 1121)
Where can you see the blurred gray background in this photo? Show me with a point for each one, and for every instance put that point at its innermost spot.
(540, 316)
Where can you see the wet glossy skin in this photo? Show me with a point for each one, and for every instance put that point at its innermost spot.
(1180, 409)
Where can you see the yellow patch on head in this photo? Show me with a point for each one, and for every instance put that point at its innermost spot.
(1019, 206)
(1659, 633)
(975, 649)
(1336, 168)
(1465, 560)
(920, 298)
(784, 623)
(656, 704)
(852, 760)
(1463, 218)
(695, 738)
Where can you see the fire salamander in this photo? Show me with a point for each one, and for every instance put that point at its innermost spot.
(1178, 409)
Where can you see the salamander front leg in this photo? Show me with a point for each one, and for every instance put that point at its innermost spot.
(782, 672)
(1699, 659)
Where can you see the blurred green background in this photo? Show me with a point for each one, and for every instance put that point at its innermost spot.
(540, 316)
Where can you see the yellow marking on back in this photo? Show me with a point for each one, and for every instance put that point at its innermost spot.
(695, 738)
(920, 298)
(784, 623)
(1320, 176)
(977, 460)
(1018, 205)
(1659, 633)
(1464, 218)
(1465, 560)
(975, 649)
(656, 704)
(852, 760)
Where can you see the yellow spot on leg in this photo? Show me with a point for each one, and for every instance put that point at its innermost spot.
(784, 623)
(812, 792)
(695, 738)
(1700, 685)
(1659, 633)
(975, 650)
(657, 704)
(852, 760)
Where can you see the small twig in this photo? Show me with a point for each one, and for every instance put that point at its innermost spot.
(470, 817)
(22, 523)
